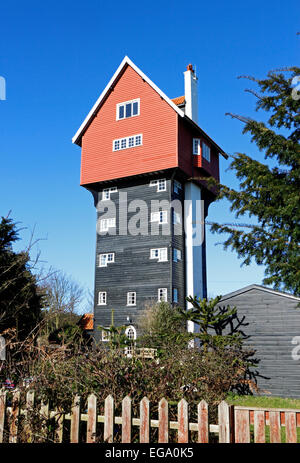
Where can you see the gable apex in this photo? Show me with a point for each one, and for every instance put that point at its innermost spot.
(125, 62)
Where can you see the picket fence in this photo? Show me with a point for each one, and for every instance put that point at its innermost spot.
(235, 424)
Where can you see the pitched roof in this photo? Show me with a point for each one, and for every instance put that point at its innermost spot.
(127, 62)
(261, 288)
(179, 100)
(86, 322)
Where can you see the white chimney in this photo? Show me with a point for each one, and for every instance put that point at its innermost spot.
(191, 93)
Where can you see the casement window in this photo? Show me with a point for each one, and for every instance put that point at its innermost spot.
(105, 259)
(160, 253)
(177, 187)
(175, 295)
(131, 298)
(196, 146)
(162, 295)
(206, 151)
(107, 192)
(105, 224)
(176, 218)
(176, 255)
(128, 109)
(102, 298)
(160, 217)
(128, 142)
(161, 184)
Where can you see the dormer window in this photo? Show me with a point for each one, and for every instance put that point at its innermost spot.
(128, 109)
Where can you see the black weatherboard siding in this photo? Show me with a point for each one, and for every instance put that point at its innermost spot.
(133, 270)
(273, 320)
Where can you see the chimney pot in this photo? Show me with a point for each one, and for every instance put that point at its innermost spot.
(190, 67)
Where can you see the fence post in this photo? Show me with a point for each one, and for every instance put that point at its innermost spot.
(2, 413)
(109, 419)
(75, 419)
(92, 419)
(226, 422)
(126, 420)
(163, 420)
(144, 421)
(183, 422)
(203, 429)
(13, 431)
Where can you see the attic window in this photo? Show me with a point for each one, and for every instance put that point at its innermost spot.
(128, 109)
(128, 142)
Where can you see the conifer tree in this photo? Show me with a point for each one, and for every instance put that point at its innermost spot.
(20, 301)
(270, 190)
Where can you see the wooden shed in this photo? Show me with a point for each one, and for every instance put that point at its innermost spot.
(272, 322)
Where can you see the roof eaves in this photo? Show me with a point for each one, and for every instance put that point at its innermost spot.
(261, 288)
(196, 126)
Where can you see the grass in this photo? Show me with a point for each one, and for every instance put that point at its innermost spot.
(263, 401)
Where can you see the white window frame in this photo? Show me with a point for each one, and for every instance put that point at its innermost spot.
(124, 103)
(105, 224)
(100, 296)
(109, 191)
(206, 151)
(196, 146)
(177, 255)
(128, 329)
(162, 295)
(161, 184)
(129, 295)
(125, 142)
(175, 295)
(106, 259)
(161, 252)
(160, 216)
(177, 186)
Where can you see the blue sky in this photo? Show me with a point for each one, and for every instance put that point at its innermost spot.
(57, 57)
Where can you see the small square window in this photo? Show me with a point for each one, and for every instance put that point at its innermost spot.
(176, 255)
(162, 295)
(175, 295)
(196, 146)
(162, 185)
(102, 298)
(177, 187)
(131, 298)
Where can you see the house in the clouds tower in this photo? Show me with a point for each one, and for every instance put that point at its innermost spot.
(140, 152)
